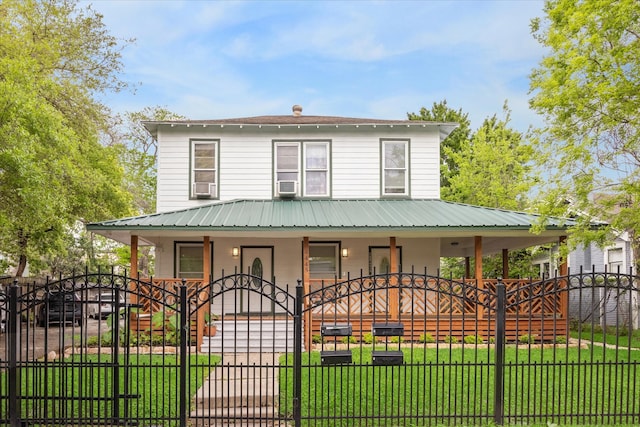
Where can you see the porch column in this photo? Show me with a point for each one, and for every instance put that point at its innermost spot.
(478, 274)
(133, 270)
(478, 260)
(206, 257)
(203, 295)
(505, 263)
(134, 256)
(394, 309)
(306, 276)
(563, 271)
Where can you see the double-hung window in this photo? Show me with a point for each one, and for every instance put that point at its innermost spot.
(302, 168)
(204, 169)
(316, 169)
(395, 168)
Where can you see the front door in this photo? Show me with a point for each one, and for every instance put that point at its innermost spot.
(257, 261)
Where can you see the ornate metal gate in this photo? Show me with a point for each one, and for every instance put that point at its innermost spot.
(392, 349)
(248, 361)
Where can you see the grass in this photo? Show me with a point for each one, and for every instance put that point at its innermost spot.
(82, 387)
(610, 335)
(456, 386)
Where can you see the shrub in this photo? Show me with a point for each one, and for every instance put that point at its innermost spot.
(397, 339)
(450, 339)
(473, 339)
(348, 340)
(316, 339)
(561, 339)
(527, 339)
(426, 338)
(102, 340)
(367, 338)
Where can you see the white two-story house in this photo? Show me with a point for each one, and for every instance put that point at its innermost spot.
(299, 197)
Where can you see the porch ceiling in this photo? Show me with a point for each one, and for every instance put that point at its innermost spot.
(454, 224)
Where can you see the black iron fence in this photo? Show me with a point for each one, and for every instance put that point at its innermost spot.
(393, 349)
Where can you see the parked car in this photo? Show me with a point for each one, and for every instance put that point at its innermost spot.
(104, 305)
(60, 307)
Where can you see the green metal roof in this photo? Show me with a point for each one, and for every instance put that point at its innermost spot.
(331, 215)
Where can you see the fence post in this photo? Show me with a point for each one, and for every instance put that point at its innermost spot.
(13, 323)
(297, 356)
(498, 402)
(184, 345)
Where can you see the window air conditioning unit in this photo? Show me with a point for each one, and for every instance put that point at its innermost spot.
(287, 188)
(204, 190)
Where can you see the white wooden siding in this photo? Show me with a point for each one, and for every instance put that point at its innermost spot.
(246, 166)
(356, 167)
(425, 167)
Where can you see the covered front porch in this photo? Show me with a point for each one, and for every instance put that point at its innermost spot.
(322, 243)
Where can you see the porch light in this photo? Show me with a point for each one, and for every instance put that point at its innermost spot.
(235, 251)
(345, 252)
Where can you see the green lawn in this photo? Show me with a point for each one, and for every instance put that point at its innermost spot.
(455, 387)
(617, 337)
(82, 387)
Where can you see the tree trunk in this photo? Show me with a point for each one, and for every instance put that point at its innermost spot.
(22, 259)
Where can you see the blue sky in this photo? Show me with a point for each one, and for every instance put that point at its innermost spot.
(211, 60)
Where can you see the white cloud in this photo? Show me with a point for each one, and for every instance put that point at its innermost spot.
(376, 59)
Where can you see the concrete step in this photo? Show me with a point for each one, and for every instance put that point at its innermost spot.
(255, 325)
(245, 346)
(232, 344)
(250, 336)
(228, 335)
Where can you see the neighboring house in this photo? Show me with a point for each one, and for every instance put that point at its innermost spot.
(310, 198)
(602, 307)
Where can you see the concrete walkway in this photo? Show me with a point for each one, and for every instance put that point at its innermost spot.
(240, 391)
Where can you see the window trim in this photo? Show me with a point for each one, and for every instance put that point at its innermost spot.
(302, 170)
(177, 244)
(622, 264)
(407, 168)
(192, 144)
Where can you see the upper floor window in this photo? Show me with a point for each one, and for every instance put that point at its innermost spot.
(302, 168)
(395, 168)
(204, 169)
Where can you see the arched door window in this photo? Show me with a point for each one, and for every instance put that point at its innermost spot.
(256, 270)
